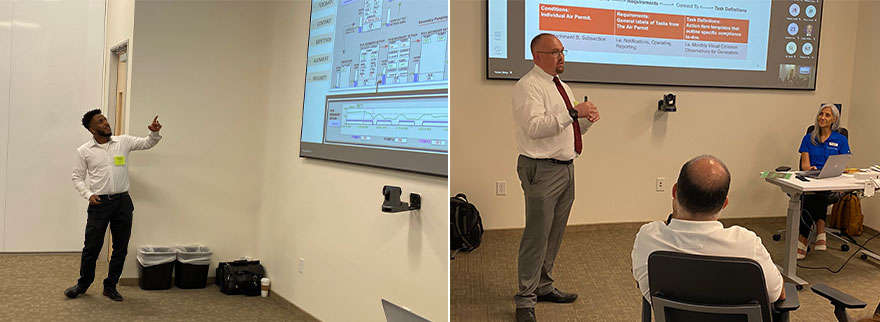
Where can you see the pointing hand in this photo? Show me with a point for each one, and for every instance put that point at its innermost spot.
(155, 126)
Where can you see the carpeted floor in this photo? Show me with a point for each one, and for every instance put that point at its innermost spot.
(595, 262)
(32, 286)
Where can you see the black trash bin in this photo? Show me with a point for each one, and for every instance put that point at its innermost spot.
(155, 265)
(191, 268)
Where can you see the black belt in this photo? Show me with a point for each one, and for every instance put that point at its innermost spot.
(566, 162)
(113, 196)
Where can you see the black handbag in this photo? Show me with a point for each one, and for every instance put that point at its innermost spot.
(240, 277)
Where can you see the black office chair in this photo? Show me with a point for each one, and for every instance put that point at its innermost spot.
(687, 287)
(840, 300)
(832, 199)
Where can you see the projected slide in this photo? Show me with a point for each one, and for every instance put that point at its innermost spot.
(415, 121)
(700, 42)
(377, 82)
(679, 35)
(414, 53)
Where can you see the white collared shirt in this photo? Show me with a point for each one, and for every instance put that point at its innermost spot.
(702, 238)
(102, 169)
(542, 122)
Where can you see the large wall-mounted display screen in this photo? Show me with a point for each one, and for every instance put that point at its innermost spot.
(377, 84)
(723, 43)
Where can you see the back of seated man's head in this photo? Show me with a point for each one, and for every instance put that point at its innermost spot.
(701, 190)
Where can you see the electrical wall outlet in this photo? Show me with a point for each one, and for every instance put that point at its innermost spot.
(660, 184)
(500, 188)
(302, 265)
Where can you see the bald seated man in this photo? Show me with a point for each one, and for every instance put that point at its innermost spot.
(697, 200)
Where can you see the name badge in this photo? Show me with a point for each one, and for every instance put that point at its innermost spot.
(832, 143)
(119, 160)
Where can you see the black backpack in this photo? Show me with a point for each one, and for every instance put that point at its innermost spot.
(240, 277)
(465, 224)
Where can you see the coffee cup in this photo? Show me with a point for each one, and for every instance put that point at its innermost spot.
(264, 287)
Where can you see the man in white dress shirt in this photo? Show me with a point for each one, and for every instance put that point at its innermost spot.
(697, 199)
(549, 124)
(101, 176)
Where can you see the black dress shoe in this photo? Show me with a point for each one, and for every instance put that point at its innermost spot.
(526, 314)
(557, 296)
(74, 291)
(113, 294)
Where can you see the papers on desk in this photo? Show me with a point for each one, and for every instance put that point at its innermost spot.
(870, 186)
(774, 174)
(871, 179)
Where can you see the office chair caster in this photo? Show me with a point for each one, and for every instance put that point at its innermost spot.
(799, 287)
(864, 256)
(844, 247)
(777, 237)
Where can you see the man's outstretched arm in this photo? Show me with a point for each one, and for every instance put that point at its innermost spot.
(149, 141)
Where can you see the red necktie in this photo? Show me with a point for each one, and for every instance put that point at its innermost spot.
(578, 145)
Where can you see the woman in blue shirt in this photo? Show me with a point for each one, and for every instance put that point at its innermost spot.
(815, 149)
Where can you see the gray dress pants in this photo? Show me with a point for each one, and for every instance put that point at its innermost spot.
(549, 193)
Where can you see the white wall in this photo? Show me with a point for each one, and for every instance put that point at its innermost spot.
(120, 25)
(120, 21)
(328, 213)
(226, 79)
(200, 66)
(864, 134)
(5, 36)
(55, 67)
(750, 130)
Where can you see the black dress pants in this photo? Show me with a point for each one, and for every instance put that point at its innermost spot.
(813, 207)
(115, 211)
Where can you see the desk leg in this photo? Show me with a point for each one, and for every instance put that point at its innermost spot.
(866, 254)
(792, 221)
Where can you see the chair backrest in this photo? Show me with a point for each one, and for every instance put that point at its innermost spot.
(842, 130)
(687, 287)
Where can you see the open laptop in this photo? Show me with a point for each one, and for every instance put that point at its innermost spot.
(396, 313)
(834, 166)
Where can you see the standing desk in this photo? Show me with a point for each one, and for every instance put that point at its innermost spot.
(795, 189)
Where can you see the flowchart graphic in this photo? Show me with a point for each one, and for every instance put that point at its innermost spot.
(390, 43)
